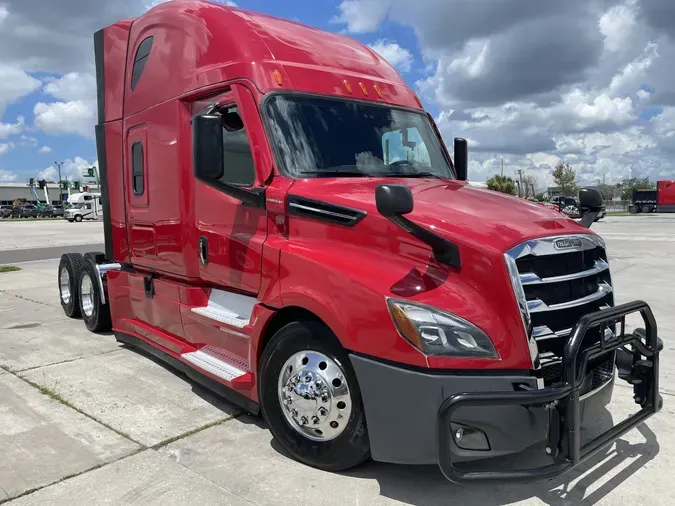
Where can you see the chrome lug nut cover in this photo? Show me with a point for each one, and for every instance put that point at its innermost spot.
(313, 387)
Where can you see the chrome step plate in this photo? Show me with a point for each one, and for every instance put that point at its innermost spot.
(207, 359)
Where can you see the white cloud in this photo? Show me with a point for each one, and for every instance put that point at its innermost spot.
(616, 25)
(397, 56)
(14, 84)
(7, 129)
(27, 141)
(71, 170)
(72, 86)
(45, 149)
(362, 16)
(643, 94)
(76, 117)
(7, 176)
(4, 148)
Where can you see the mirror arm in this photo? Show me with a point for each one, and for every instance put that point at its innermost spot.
(588, 218)
(445, 252)
(253, 197)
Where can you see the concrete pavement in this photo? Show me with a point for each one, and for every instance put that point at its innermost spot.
(85, 420)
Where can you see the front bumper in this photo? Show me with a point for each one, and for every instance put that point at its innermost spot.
(412, 416)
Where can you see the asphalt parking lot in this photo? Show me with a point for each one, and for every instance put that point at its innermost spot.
(84, 420)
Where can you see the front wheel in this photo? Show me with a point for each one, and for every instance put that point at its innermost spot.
(78, 218)
(310, 398)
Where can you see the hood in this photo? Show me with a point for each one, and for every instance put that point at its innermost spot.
(453, 209)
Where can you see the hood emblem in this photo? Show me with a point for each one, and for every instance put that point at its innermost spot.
(567, 243)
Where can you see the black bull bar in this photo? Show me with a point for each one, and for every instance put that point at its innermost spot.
(639, 366)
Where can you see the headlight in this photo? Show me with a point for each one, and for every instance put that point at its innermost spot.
(435, 332)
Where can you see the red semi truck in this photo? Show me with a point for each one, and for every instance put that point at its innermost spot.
(284, 223)
(661, 200)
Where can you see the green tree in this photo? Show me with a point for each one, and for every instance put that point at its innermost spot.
(565, 177)
(501, 184)
(634, 183)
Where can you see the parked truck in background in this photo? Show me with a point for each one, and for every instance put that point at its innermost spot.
(661, 200)
(284, 224)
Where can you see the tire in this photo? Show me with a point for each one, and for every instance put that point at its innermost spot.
(96, 315)
(70, 221)
(95, 256)
(330, 452)
(68, 282)
(633, 209)
(78, 218)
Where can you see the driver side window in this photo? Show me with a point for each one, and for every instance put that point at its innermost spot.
(238, 163)
(405, 144)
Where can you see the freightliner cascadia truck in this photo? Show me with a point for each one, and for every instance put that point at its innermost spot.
(284, 224)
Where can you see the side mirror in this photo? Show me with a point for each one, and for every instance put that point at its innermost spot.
(461, 158)
(207, 147)
(393, 200)
(591, 199)
(208, 161)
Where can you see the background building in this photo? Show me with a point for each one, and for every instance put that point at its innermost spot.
(9, 192)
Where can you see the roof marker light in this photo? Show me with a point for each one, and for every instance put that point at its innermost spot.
(363, 89)
(377, 90)
(277, 76)
(348, 86)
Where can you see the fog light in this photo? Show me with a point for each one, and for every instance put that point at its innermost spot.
(469, 438)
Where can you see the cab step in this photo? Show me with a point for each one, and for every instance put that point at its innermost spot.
(219, 363)
(229, 308)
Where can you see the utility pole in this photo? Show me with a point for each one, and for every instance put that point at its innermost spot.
(59, 164)
(502, 166)
(520, 177)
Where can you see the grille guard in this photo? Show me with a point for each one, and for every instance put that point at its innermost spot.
(563, 400)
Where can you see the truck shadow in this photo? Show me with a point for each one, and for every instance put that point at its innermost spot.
(425, 485)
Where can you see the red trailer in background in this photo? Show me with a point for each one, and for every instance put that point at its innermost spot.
(665, 201)
(661, 200)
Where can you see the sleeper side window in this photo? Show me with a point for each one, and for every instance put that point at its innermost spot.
(239, 166)
(137, 180)
(140, 60)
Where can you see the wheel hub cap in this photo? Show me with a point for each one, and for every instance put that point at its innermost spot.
(64, 285)
(87, 294)
(314, 395)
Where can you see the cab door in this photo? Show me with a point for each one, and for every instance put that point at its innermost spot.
(231, 234)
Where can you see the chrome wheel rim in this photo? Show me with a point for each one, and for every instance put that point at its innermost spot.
(314, 395)
(87, 295)
(64, 285)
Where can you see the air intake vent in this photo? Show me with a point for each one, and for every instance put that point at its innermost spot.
(332, 213)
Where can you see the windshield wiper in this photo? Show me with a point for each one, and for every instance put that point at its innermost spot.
(414, 174)
(336, 173)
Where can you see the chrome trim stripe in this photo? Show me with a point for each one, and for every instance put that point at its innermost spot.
(538, 305)
(542, 332)
(320, 211)
(530, 278)
(555, 245)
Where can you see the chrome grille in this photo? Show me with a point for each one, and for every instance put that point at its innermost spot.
(563, 278)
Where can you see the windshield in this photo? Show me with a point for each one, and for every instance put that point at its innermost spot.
(326, 137)
(75, 206)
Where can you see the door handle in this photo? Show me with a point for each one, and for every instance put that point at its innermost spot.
(204, 250)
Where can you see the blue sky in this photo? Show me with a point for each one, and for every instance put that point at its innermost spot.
(598, 94)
